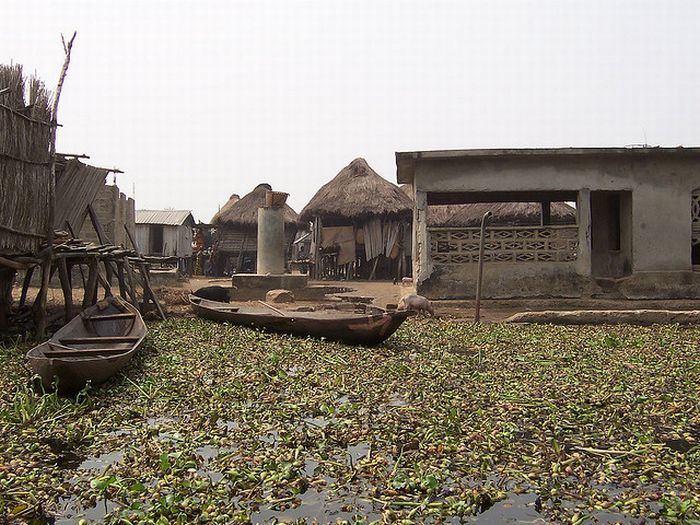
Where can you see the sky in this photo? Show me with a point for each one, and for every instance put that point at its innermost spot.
(197, 100)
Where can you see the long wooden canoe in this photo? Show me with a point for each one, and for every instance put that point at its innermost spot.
(351, 328)
(93, 346)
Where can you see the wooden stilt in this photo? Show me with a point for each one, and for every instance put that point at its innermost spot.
(148, 291)
(90, 296)
(120, 278)
(80, 267)
(64, 277)
(39, 306)
(143, 267)
(7, 277)
(25, 286)
(104, 282)
(132, 291)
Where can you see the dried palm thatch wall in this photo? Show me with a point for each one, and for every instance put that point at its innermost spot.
(25, 135)
(77, 185)
(237, 228)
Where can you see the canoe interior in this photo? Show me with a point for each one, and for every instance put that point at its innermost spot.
(91, 347)
(351, 328)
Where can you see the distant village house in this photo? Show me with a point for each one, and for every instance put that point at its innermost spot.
(235, 241)
(166, 234)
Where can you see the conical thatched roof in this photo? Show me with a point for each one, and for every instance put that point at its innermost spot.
(233, 199)
(504, 213)
(358, 192)
(244, 212)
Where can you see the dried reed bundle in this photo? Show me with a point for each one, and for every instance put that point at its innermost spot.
(25, 136)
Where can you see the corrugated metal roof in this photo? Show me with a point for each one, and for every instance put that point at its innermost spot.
(166, 217)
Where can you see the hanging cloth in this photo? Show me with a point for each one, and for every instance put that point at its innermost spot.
(391, 237)
(344, 238)
(374, 242)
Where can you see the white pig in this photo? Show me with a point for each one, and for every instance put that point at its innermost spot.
(417, 303)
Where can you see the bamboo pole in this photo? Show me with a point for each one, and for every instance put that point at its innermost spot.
(40, 302)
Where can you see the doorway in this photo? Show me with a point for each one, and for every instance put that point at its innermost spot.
(156, 239)
(695, 230)
(611, 233)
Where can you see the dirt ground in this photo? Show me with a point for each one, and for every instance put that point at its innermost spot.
(173, 297)
(492, 310)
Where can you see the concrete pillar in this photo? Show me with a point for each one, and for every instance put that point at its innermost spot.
(421, 241)
(583, 208)
(270, 240)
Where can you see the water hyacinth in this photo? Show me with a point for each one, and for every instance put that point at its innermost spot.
(445, 422)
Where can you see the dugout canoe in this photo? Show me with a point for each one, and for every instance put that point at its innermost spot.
(93, 346)
(350, 328)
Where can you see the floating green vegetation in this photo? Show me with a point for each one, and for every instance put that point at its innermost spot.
(446, 422)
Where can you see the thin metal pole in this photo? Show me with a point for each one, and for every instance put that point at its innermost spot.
(480, 274)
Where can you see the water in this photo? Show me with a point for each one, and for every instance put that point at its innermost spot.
(356, 453)
(318, 422)
(71, 511)
(319, 505)
(516, 508)
(101, 462)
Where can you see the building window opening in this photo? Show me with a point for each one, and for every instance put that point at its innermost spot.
(695, 229)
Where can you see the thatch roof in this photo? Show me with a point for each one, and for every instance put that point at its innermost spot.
(243, 212)
(233, 199)
(504, 213)
(358, 192)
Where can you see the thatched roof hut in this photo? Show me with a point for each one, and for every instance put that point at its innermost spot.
(243, 212)
(504, 213)
(359, 217)
(356, 194)
(236, 230)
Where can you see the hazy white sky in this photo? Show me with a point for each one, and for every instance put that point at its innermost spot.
(198, 100)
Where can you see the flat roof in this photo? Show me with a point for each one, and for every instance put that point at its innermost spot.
(406, 159)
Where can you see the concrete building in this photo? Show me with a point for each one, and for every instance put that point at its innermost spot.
(114, 211)
(637, 231)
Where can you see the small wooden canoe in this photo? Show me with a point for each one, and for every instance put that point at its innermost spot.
(351, 328)
(93, 346)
